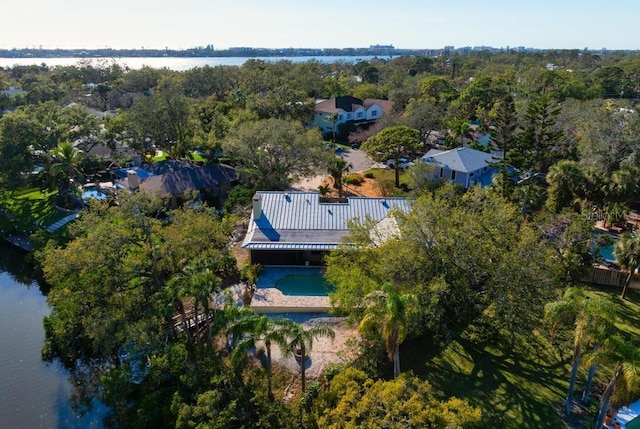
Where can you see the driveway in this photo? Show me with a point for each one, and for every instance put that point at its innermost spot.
(358, 159)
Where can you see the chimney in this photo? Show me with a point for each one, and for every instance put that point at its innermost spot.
(133, 182)
(257, 206)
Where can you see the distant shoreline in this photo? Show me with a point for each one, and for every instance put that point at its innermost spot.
(207, 52)
(245, 52)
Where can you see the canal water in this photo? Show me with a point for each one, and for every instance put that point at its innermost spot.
(33, 393)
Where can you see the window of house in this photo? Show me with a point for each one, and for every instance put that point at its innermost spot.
(341, 117)
(471, 174)
(453, 175)
(374, 113)
(484, 169)
(348, 115)
(442, 172)
(359, 115)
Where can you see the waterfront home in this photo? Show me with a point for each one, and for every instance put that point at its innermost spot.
(462, 165)
(299, 228)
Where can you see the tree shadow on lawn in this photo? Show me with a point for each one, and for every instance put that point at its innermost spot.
(32, 212)
(515, 387)
(626, 310)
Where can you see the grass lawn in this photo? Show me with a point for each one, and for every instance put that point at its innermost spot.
(31, 205)
(163, 156)
(519, 386)
(388, 176)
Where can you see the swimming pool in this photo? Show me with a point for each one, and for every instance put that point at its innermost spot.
(605, 245)
(92, 192)
(304, 286)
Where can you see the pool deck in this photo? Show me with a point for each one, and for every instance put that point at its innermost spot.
(268, 299)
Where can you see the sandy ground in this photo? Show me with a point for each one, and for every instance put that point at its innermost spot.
(358, 159)
(325, 351)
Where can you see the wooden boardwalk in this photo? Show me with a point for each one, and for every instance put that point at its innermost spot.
(20, 241)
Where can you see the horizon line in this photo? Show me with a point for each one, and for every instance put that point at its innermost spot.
(370, 47)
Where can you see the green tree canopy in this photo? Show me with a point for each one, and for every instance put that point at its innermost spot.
(274, 153)
(354, 401)
(393, 143)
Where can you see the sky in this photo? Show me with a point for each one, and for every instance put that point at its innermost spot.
(411, 24)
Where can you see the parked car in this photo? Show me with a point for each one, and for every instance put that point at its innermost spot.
(402, 163)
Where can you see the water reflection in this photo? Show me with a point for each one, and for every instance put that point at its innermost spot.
(33, 393)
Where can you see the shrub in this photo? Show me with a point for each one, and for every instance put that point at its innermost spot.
(369, 175)
(239, 198)
(353, 179)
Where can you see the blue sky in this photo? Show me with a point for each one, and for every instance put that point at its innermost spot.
(319, 24)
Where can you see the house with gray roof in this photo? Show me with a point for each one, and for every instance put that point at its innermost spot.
(173, 178)
(299, 228)
(462, 165)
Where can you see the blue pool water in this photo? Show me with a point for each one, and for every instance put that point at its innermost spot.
(93, 193)
(304, 286)
(606, 251)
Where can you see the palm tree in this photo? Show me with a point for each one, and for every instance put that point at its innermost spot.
(253, 327)
(338, 167)
(202, 284)
(627, 253)
(588, 315)
(198, 282)
(625, 358)
(565, 184)
(176, 291)
(299, 341)
(388, 311)
(324, 190)
(459, 129)
(65, 169)
(333, 118)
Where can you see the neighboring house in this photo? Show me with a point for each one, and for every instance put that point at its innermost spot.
(628, 416)
(299, 228)
(349, 109)
(174, 178)
(462, 165)
(12, 92)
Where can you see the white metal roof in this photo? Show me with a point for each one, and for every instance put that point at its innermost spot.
(298, 220)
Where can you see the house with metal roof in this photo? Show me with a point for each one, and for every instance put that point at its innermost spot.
(349, 109)
(462, 165)
(299, 228)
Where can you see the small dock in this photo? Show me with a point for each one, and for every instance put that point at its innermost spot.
(20, 241)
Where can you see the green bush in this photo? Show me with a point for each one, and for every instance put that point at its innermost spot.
(369, 175)
(353, 179)
(239, 198)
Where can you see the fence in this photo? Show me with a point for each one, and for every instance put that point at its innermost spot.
(608, 277)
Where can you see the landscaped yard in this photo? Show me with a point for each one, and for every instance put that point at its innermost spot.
(386, 177)
(519, 386)
(30, 207)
